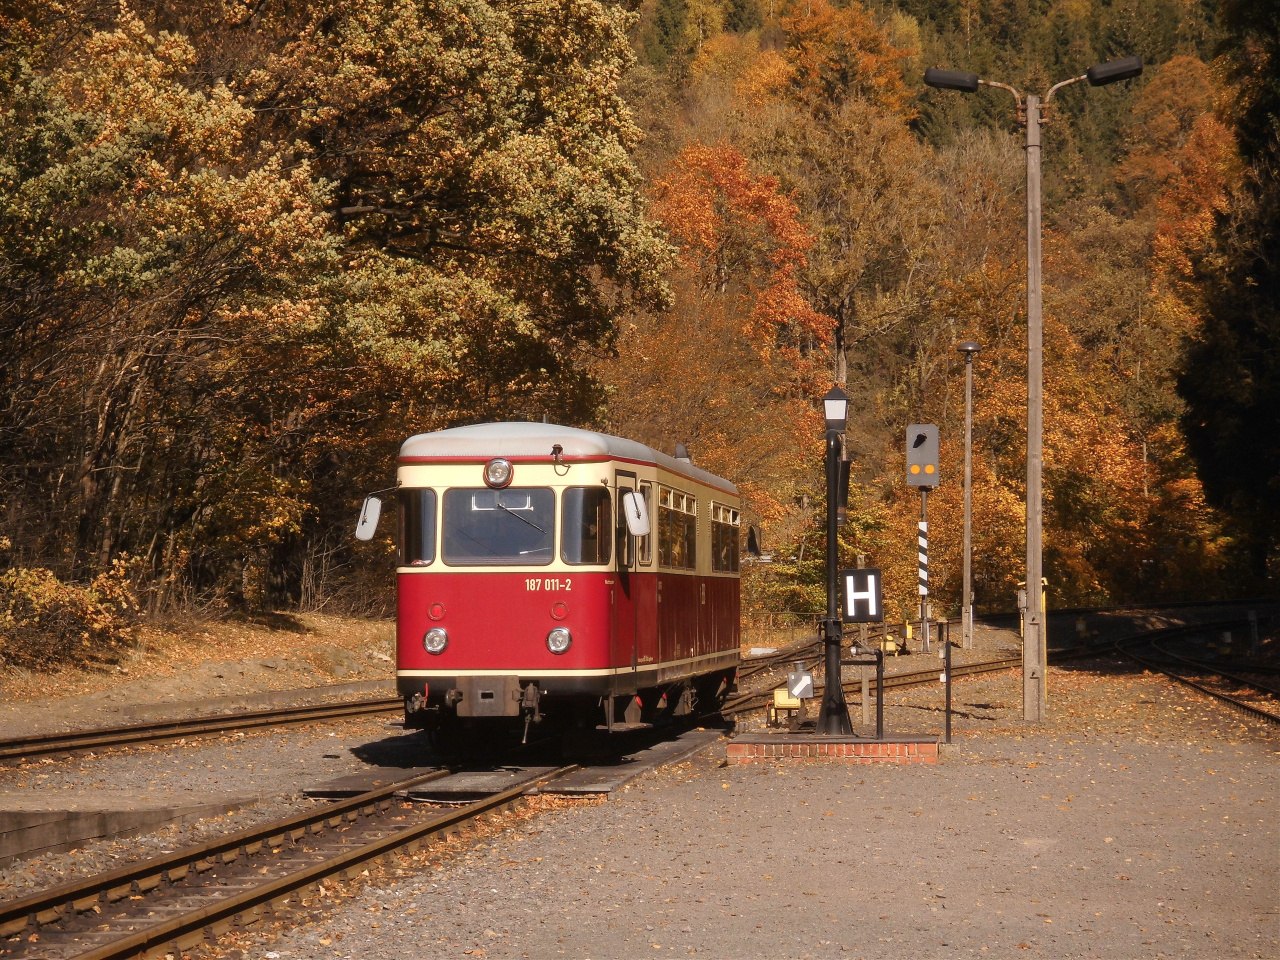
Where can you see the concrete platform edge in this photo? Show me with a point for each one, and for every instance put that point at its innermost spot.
(753, 748)
(25, 834)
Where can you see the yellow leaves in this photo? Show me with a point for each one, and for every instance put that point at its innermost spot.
(764, 80)
(131, 82)
(44, 620)
(738, 231)
(844, 54)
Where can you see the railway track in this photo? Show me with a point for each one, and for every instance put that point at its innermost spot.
(25, 748)
(171, 902)
(1177, 667)
(759, 699)
(811, 653)
(810, 650)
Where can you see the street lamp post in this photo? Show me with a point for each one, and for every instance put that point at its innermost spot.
(1034, 651)
(968, 348)
(833, 716)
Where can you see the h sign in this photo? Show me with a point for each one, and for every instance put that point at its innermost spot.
(862, 596)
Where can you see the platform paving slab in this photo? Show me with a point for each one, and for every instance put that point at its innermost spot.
(358, 783)
(605, 779)
(475, 784)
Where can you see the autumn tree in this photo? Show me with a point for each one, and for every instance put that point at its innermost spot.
(246, 250)
(1231, 380)
(731, 368)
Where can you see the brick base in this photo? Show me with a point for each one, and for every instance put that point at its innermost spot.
(750, 749)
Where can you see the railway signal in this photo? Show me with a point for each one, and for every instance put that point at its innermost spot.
(800, 682)
(922, 455)
(922, 472)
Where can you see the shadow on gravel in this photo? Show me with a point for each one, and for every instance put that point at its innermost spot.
(595, 748)
(405, 750)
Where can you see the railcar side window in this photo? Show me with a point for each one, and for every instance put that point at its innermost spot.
(585, 530)
(644, 546)
(690, 533)
(677, 529)
(622, 535)
(416, 515)
(664, 527)
(725, 523)
(511, 526)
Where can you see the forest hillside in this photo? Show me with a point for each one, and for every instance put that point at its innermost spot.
(247, 247)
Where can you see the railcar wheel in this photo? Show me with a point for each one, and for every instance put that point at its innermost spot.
(710, 692)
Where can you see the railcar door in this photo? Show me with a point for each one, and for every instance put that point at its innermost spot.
(622, 593)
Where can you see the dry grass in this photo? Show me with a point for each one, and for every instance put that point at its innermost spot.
(171, 648)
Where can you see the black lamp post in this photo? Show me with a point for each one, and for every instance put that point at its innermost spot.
(833, 717)
(1035, 701)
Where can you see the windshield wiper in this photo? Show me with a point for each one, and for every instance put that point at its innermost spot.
(504, 507)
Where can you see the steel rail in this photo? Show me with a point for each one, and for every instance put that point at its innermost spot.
(756, 701)
(21, 748)
(920, 677)
(186, 929)
(808, 650)
(1208, 666)
(1171, 632)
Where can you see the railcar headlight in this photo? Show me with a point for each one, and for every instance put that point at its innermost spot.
(497, 472)
(435, 640)
(558, 640)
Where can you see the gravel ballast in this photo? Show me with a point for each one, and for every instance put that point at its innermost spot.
(259, 775)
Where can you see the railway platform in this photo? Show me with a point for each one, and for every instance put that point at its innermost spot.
(1137, 823)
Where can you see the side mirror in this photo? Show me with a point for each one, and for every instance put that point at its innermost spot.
(369, 515)
(753, 540)
(637, 514)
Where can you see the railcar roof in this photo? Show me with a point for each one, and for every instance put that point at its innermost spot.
(536, 439)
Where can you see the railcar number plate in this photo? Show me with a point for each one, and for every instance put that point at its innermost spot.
(549, 584)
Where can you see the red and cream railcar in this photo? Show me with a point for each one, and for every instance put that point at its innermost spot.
(521, 592)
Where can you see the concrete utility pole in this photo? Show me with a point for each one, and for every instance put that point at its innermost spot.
(1035, 655)
(1034, 648)
(968, 348)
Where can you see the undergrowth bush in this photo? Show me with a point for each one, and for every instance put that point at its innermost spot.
(46, 623)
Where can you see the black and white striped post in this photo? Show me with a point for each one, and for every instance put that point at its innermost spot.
(922, 542)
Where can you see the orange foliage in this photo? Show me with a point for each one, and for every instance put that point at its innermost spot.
(738, 231)
(1183, 162)
(765, 77)
(839, 54)
(734, 369)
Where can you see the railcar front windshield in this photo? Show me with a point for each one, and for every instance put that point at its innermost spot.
(512, 526)
(587, 525)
